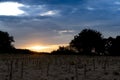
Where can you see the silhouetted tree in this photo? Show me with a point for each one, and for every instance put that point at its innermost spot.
(115, 48)
(6, 42)
(88, 41)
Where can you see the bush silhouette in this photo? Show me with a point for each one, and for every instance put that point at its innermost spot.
(63, 50)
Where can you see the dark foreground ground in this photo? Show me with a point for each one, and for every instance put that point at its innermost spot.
(59, 67)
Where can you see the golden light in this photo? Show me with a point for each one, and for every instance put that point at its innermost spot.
(38, 48)
(41, 48)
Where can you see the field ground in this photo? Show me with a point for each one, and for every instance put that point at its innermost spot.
(59, 67)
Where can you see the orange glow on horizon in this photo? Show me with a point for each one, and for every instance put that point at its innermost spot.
(37, 48)
(43, 48)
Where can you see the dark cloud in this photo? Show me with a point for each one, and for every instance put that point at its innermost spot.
(51, 2)
(19, 18)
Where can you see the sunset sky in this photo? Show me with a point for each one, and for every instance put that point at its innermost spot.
(42, 25)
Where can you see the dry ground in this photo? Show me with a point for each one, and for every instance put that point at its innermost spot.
(59, 67)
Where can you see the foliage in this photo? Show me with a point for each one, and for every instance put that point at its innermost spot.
(6, 42)
(63, 50)
(114, 49)
(88, 40)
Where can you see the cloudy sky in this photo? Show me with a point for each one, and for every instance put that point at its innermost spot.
(49, 23)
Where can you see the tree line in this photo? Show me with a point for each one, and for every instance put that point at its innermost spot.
(91, 42)
(87, 42)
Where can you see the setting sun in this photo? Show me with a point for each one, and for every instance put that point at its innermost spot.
(38, 48)
(42, 48)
